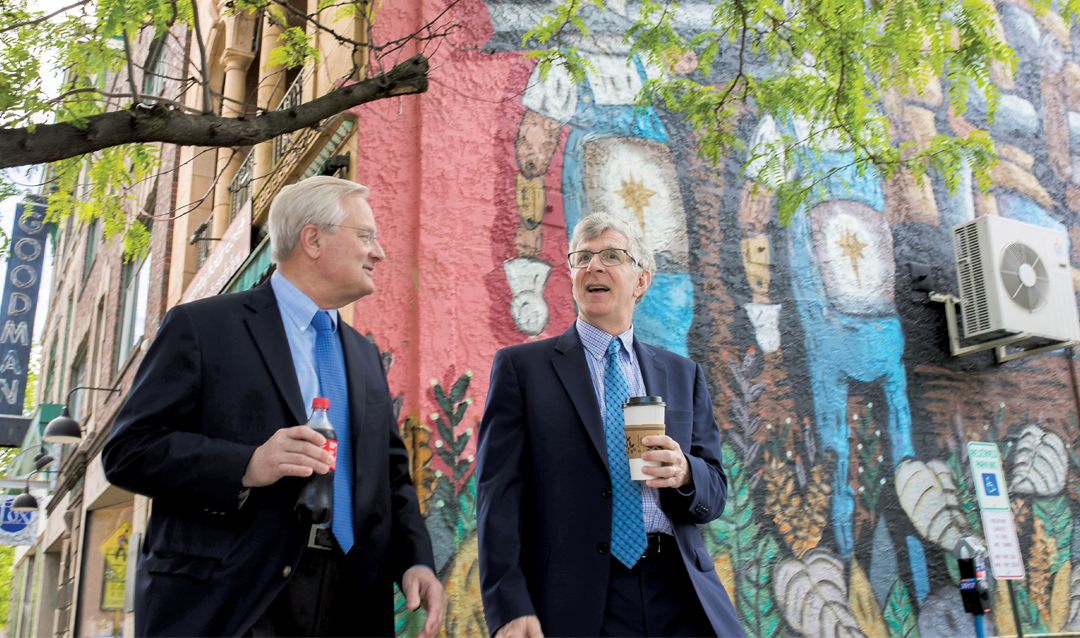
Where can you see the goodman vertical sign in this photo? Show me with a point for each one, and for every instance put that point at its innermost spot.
(17, 315)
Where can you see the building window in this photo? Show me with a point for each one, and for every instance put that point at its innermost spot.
(154, 76)
(50, 374)
(78, 379)
(136, 293)
(91, 245)
(106, 559)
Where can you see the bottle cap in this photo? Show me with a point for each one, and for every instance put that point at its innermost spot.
(320, 403)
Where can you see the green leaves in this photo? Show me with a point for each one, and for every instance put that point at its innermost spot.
(758, 612)
(899, 616)
(103, 186)
(753, 557)
(294, 49)
(735, 530)
(833, 63)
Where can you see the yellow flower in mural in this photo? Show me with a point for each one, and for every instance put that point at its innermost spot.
(636, 198)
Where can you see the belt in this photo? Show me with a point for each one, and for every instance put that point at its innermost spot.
(659, 544)
(320, 538)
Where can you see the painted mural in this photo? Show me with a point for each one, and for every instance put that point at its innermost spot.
(844, 419)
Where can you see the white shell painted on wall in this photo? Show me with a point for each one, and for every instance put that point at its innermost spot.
(928, 495)
(1040, 463)
(812, 594)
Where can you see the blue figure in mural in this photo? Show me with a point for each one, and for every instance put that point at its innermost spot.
(842, 271)
(616, 160)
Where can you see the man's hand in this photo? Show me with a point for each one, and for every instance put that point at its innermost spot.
(422, 588)
(675, 471)
(295, 451)
(523, 627)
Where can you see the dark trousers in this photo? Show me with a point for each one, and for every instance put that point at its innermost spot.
(655, 598)
(309, 604)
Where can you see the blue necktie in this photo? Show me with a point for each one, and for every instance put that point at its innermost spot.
(330, 367)
(628, 540)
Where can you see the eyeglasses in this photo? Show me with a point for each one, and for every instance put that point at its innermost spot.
(366, 235)
(610, 257)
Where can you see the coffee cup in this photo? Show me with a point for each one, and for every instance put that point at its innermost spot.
(643, 416)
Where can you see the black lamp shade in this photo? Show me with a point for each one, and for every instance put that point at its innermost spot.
(42, 461)
(62, 429)
(24, 502)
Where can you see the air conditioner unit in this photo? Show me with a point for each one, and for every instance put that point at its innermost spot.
(1015, 279)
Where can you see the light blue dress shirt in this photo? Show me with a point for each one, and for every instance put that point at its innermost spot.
(596, 343)
(297, 310)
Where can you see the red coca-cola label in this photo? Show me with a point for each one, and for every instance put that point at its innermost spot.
(331, 447)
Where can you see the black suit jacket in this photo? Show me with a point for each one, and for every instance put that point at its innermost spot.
(543, 490)
(217, 382)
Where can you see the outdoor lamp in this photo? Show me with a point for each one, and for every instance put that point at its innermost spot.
(24, 502)
(42, 460)
(64, 429)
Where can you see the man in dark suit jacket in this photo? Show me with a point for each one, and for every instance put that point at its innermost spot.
(213, 431)
(569, 545)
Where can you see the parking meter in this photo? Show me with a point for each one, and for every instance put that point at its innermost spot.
(974, 588)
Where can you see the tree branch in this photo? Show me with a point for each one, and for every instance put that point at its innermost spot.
(204, 69)
(131, 69)
(54, 142)
(44, 18)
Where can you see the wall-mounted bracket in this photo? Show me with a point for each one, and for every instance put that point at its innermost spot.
(999, 345)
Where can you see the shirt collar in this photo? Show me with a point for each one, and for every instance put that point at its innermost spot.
(297, 307)
(596, 340)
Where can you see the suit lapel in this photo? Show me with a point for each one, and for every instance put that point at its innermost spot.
(354, 370)
(268, 331)
(573, 371)
(653, 372)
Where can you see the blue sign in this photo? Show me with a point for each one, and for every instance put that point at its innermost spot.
(990, 484)
(20, 302)
(17, 528)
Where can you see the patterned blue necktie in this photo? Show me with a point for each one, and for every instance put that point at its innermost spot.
(330, 367)
(628, 541)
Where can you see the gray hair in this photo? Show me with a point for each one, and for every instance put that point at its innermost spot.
(316, 200)
(594, 225)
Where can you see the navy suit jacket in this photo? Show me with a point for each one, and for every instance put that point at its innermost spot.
(217, 382)
(544, 492)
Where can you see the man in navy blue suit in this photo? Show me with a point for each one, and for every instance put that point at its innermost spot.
(213, 430)
(569, 544)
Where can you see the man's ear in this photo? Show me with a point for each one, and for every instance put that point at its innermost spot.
(310, 241)
(643, 282)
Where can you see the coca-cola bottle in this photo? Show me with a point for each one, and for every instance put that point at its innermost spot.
(316, 502)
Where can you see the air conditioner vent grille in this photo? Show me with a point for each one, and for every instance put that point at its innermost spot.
(1024, 275)
(976, 306)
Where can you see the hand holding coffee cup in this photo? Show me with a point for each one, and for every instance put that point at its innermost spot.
(673, 469)
(647, 445)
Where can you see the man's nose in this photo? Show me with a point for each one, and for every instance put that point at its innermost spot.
(377, 252)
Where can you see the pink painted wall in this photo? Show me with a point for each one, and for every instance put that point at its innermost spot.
(441, 170)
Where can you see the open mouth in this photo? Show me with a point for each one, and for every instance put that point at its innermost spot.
(597, 288)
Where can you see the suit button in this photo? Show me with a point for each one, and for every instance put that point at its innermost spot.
(606, 493)
(285, 572)
(602, 548)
